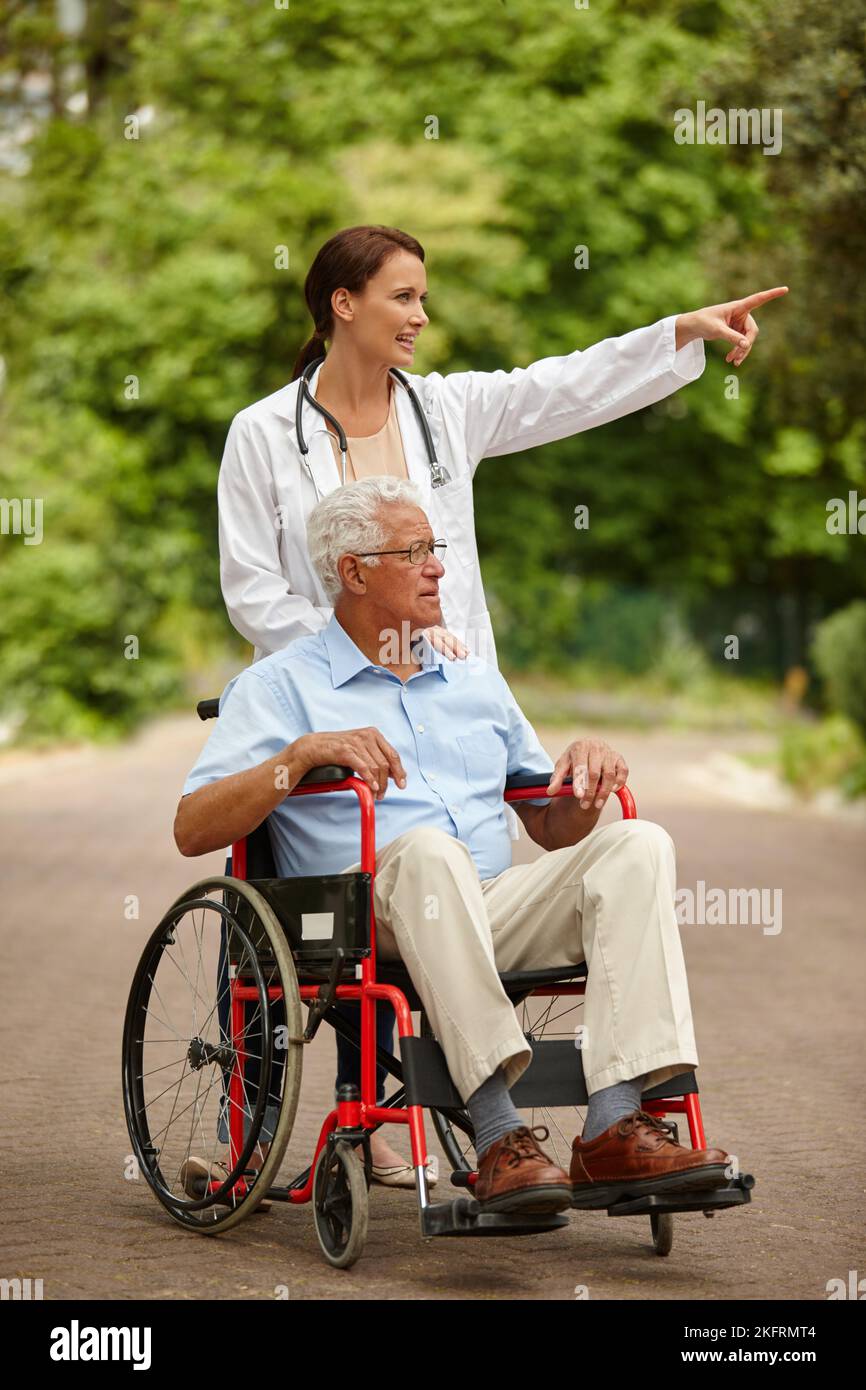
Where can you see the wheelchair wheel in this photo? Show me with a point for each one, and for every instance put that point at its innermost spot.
(662, 1225)
(195, 1053)
(340, 1203)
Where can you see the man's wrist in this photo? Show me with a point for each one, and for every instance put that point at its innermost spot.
(567, 823)
(292, 764)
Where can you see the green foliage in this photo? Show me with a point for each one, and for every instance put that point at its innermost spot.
(599, 624)
(141, 306)
(827, 753)
(839, 650)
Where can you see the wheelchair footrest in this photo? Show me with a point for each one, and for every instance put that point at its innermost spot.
(732, 1194)
(464, 1217)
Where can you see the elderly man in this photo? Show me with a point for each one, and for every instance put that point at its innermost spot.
(435, 740)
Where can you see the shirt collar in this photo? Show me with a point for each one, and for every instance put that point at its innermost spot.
(346, 659)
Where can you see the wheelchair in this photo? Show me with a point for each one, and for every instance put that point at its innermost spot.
(214, 1037)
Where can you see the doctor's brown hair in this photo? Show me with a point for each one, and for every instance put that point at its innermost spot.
(347, 261)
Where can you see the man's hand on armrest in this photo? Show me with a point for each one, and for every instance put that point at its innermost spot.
(596, 770)
(366, 751)
(225, 811)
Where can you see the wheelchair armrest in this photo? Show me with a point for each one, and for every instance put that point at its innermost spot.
(526, 780)
(325, 774)
(531, 779)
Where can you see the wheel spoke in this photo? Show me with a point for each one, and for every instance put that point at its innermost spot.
(168, 956)
(164, 1067)
(162, 1024)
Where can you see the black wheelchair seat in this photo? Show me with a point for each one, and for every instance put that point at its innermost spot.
(516, 983)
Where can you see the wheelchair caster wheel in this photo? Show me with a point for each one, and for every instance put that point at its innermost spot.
(340, 1204)
(662, 1224)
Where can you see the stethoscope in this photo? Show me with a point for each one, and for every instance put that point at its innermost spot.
(438, 474)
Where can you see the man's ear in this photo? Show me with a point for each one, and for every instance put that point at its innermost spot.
(353, 574)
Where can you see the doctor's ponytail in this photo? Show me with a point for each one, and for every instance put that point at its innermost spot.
(347, 261)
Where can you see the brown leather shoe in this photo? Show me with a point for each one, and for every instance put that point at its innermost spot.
(637, 1156)
(516, 1175)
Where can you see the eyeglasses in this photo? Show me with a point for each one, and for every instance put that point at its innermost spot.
(418, 551)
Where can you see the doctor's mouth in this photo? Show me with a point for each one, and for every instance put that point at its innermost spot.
(407, 342)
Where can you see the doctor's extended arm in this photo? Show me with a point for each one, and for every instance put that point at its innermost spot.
(556, 397)
(256, 592)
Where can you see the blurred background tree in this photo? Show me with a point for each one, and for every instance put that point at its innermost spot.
(142, 307)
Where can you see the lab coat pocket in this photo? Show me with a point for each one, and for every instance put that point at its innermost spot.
(454, 508)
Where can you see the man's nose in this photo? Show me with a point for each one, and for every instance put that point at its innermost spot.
(433, 566)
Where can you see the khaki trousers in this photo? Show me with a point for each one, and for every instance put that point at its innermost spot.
(608, 901)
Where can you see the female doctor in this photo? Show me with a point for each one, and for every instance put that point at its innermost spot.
(356, 409)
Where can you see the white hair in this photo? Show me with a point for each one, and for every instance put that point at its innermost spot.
(349, 520)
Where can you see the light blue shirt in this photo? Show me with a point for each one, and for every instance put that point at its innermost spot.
(456, 725)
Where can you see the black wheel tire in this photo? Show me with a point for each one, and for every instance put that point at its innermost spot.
(662, 1226)
(340, 1204)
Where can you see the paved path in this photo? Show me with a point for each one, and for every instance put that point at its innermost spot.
(779, 1024)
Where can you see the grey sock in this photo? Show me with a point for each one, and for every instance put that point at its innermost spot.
(491, 1112)
(611, 1104)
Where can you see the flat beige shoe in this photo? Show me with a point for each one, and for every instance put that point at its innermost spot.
(401, 1175)
(195, 1172)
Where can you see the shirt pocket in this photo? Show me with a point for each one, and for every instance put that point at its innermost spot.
(484, 762)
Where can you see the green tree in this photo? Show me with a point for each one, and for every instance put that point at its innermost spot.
(145, 300)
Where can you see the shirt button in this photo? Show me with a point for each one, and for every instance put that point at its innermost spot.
(432, 776)
(420, 728)
(455, 810)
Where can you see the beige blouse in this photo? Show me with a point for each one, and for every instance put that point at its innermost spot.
(374, 454)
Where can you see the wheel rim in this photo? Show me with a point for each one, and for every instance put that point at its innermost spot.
(183, 1075)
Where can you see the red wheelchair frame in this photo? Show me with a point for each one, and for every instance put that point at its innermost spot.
(364, 1113)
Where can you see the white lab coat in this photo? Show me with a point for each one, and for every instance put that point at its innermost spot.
(266, 493)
